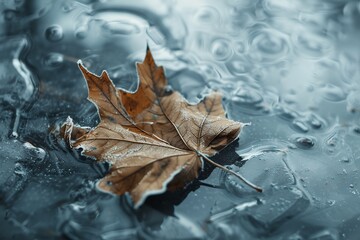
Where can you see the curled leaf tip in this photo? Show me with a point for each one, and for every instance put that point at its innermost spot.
(148, 57)
(82, 67)
(104, 74)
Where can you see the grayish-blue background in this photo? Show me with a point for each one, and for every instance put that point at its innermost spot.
(291, 68)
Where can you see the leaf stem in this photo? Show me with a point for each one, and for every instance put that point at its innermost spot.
(238, 175)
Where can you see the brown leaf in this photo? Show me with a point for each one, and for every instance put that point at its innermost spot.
(153, 138)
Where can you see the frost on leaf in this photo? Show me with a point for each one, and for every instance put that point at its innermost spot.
(153, 139)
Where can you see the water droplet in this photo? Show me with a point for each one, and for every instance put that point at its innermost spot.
(221, 50)
(331, 202)
(54, 33)
(19, 169)
(286, 113)
(300, 126)
(314, 121)
(53, 60)
(304, 142)
(238, 67)
(333, 93)
(345, 160)
(121, 28)
(247, 96)
(268, 44)
(332, 141)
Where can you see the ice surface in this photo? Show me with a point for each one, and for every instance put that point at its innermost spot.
(291, 69)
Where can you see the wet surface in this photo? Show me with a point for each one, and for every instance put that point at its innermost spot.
(291, 69)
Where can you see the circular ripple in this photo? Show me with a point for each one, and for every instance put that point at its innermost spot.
(267, 45)
(240, 47)
(304, 142)
(333, 93)
(207, 15)
(54, 33)
(238, 67)
(220, 49)
(248, 98)
(240, 20)
(311, 44)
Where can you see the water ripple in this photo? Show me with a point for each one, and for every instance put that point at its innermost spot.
(207, 15)
(238, 66)
(267, 45)
(311, 44)
(121, 27)
(221, 49)
(54, 33)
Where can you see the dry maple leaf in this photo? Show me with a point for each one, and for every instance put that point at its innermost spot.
(153, 138)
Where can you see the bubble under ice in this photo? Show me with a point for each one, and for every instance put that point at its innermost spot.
(291, 69)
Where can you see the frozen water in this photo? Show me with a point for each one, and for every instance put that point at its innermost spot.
(290, 68)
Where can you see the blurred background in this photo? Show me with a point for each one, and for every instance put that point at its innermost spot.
(290, 68)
